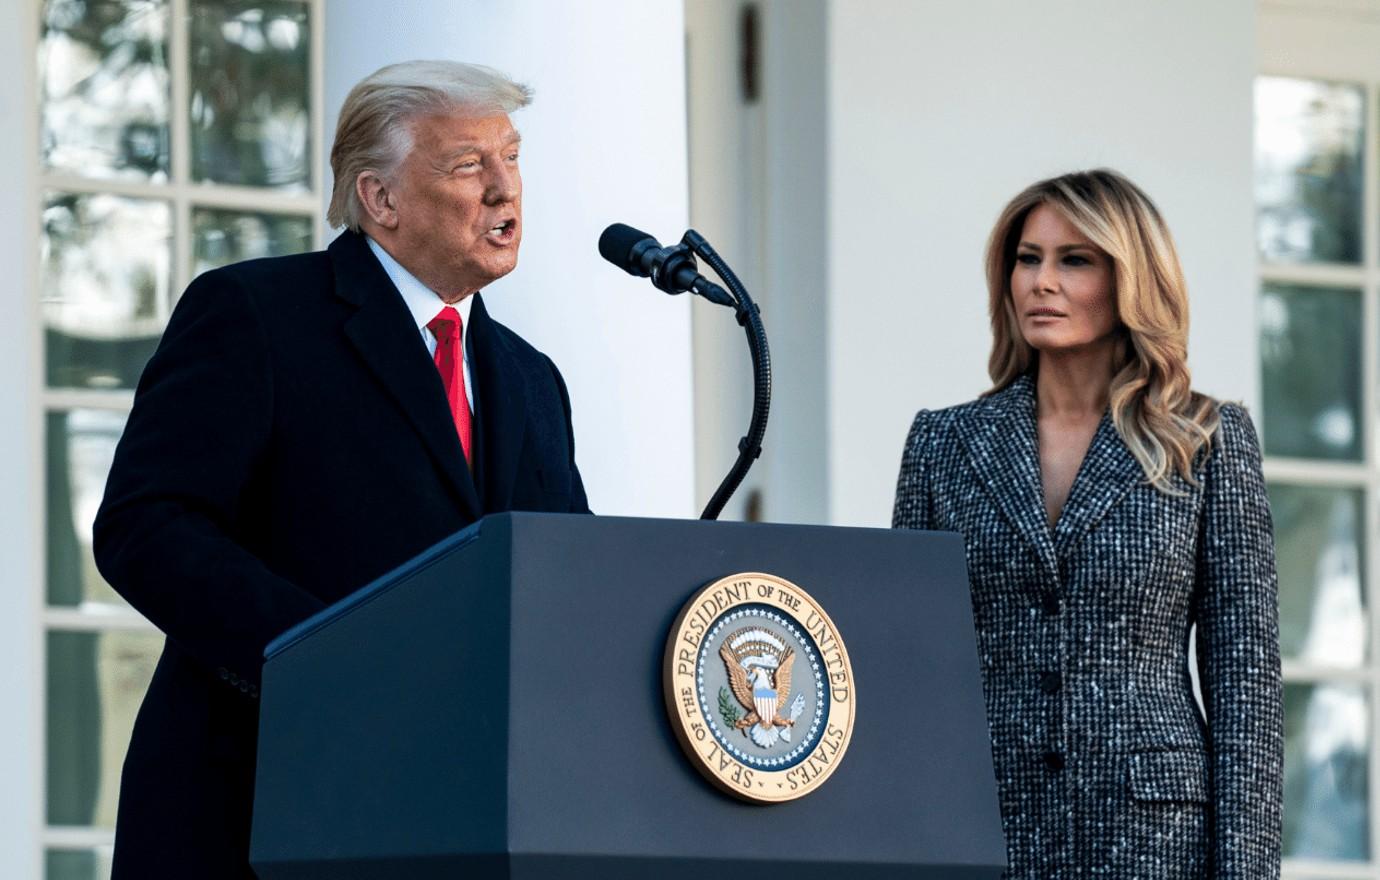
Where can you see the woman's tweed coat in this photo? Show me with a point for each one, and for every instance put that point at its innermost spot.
(1104, 765)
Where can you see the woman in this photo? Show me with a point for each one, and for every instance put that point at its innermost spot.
(1107, 509)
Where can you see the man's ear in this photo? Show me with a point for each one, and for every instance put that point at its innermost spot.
(377, 199)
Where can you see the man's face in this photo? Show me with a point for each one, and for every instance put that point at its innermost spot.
(458, 196)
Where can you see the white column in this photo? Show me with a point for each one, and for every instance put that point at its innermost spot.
(727, 200)
(603, 141)
(795, 62)
(939, 113)
(758, 191)
(21, 470)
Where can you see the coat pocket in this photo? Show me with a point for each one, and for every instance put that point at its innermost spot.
(1170, 775)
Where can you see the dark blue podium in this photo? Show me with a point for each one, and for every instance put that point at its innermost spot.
(494, 708)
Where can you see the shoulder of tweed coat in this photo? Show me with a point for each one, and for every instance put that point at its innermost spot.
(1105, 765)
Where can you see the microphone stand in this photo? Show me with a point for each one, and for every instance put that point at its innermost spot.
(750, 446)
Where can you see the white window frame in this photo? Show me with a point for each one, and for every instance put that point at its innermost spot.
(183, 195)
(1363, 475)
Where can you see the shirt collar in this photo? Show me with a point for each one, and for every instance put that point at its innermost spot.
(422, 301)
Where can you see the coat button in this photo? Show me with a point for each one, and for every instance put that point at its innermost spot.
(1054, 760)
(1050, 603)
(1051, 682)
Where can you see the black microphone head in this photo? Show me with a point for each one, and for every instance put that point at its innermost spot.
(617, 243)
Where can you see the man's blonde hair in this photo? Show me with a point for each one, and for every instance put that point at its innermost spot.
(375, 128)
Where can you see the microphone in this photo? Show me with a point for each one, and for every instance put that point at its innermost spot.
(671, 269)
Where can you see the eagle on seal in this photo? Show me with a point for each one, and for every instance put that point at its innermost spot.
(761, 690)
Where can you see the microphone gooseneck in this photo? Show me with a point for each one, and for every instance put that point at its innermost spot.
(750, 318)
(674, 270)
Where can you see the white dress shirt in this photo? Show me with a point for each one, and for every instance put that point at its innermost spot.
(425, 304)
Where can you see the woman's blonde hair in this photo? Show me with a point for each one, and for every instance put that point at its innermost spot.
(1162, 420)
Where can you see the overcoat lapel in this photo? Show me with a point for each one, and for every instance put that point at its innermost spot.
(384, 334)
(1004, 452)
(1109, 471)
(500, 386)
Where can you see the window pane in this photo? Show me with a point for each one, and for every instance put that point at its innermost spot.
(106, 274)
(222, 237)
(96, 681)
(103, 73)
(250, 113)
(74, 864)
(1308, 170)
(1310, 353)
(1327, 741)
(81, 444)
(1318, 545)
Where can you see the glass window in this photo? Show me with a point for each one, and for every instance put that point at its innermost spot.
(1326, 774)
(250, 106)
(81, 445)
(103, 71)
(1310, 355)
(1318, 546)
(1308, 170)
(96, 681)
(78, 864)
(106, 275)
(220, 237)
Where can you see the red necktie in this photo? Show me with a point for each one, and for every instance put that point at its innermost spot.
(450, 363)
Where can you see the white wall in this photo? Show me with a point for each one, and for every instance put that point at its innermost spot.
(603, 141)
(939, 113)
(758, 190)
(21, 516)
(1321, 39)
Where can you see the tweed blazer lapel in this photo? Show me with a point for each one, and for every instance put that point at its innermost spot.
(1002, 447)
(1109, 471)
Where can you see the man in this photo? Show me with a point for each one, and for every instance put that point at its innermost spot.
(307, 424)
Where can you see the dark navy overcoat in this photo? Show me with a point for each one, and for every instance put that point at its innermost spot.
(290, 441)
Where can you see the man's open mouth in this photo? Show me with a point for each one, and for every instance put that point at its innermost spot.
(502, 233)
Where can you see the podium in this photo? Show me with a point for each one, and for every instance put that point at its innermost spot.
(495, 708)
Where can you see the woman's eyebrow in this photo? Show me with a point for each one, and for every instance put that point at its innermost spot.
(1061, 249)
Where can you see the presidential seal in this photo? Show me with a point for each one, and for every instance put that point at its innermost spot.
(759, 687)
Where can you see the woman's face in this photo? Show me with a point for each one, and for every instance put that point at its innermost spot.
(1061, 285)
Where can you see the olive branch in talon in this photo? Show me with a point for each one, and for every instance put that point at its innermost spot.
(728, 708)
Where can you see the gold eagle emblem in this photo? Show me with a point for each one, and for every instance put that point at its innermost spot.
(759, 674)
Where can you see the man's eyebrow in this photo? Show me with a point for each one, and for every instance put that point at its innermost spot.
(465, 149)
